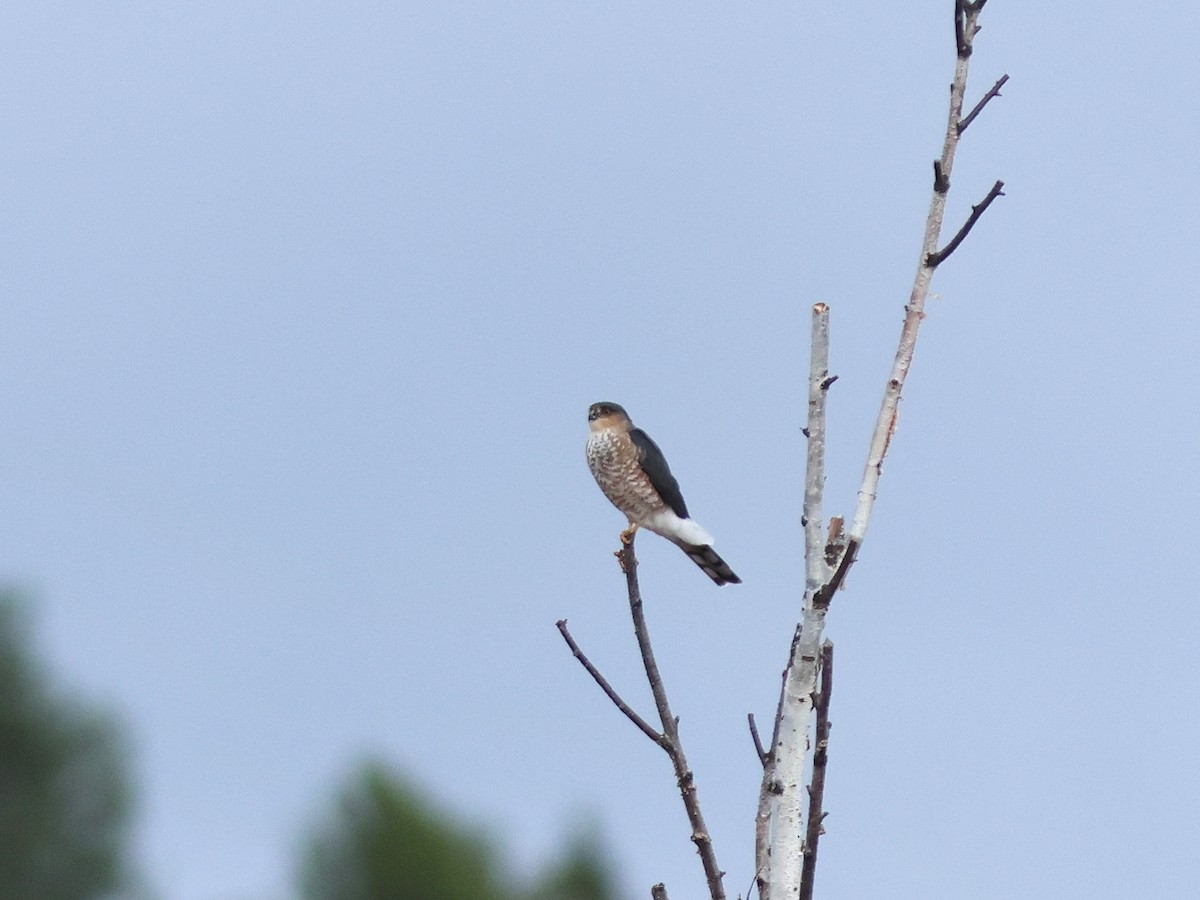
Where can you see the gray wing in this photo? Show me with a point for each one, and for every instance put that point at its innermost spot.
(654, 464)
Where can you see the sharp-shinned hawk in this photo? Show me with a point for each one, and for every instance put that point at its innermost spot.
(634, 475)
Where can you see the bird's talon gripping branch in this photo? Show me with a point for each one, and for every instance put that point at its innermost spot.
(627, 535)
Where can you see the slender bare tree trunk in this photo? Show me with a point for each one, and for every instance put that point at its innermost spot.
(785, 845)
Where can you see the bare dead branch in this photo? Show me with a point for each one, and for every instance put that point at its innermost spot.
(819, 381)
(658, 892)
(670, 725)
(966, 19)
(816, 791)
(762, 753)
(780, 805)
(994, 92)
(668, 738)
(936, 259)
(606, 687)
(962, 42)
(966, 25)
(782, 828)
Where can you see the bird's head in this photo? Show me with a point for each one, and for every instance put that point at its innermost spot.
(607, 415)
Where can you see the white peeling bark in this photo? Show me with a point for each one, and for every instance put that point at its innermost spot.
(780, 832)
(780, 826)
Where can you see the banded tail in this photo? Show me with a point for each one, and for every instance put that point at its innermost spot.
(710, 561)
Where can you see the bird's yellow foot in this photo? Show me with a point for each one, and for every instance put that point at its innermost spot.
(627, 535)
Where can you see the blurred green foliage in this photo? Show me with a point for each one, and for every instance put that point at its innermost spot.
(64, 790)
(383, 840)
(65, 805)
(583, 873)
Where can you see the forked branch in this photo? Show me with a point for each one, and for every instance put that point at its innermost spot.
(668, 738)
(785, 856)
(612, 695)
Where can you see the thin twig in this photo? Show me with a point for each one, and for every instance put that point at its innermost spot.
(758, 747)
(750, 889)
(606, 687)
(670, 725)
(816, 792)
(936, 259)
(994, 92)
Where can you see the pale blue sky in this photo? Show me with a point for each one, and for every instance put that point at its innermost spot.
(304, 305)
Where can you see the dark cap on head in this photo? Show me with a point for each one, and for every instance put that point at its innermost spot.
(599, 410)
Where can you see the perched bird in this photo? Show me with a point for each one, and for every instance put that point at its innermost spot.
(634, 475)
